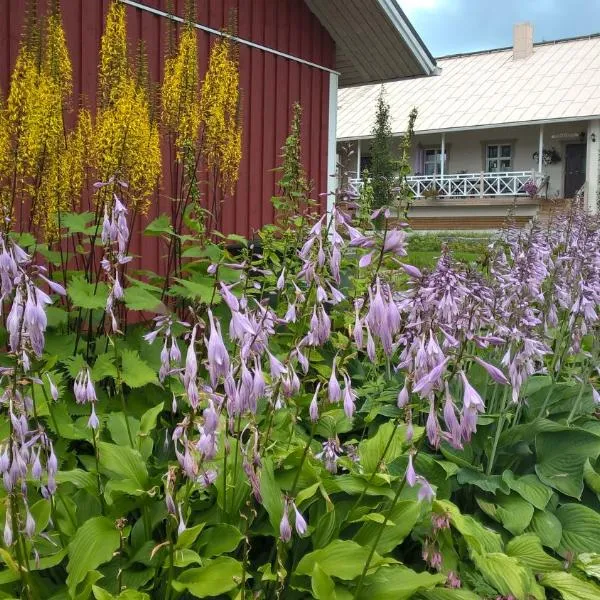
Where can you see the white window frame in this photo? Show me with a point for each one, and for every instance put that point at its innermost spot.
(435, 162)
(499, 157)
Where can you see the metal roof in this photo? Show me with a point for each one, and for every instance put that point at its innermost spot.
(559, 82)
(374, 40)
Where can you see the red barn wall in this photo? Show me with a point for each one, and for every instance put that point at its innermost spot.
(270, 84)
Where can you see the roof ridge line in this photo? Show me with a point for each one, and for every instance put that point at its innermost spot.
(576, 38)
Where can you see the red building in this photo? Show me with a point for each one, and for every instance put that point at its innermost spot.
(290, 50)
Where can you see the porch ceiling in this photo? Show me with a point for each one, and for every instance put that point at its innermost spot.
(375, 42)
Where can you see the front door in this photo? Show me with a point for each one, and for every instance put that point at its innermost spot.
(574, 168)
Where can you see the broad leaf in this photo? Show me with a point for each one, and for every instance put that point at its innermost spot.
(343, 559)
(221, 539)
(547, 527)
(217, 577)
(528, 549)
(530, 488)
(580, 529)
(87, 295)
(322, 585)
(160, 225)
(134, 371)
(138, 298)
(92, 546)
(570, 587)
(487, 483)
(397, 583)
(123, 461)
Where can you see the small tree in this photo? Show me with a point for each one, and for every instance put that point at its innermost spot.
(383, 166)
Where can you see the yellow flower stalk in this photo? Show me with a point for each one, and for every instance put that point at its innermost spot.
(220, 113)
(114, 67)
(127, 144)
(57, 63)
(180, 97)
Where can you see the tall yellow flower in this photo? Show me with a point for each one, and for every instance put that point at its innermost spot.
(57, 63)
(127, 144)
(220, 113)
(5, 165)
(180, 97)
(114, 66)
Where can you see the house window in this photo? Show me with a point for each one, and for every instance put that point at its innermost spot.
(432, 163)
(498, 158)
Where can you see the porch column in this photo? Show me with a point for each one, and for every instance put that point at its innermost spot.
(332, 146)
(592, 166)
(443, 157)
(541, 150)
(358, 171)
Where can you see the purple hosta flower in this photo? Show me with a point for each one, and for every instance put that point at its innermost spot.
(425, 490)
(53, 388)
(302, 360)
(494, 372)
(349, 397)
(365, 260)
(383, 316)
(454, 435)
(181, 527)
(403, 397)
(8, 531)
(358, 324)
(334, 391)
(93, 421)
(330, 455)
(411, 270)
(191, 371)
(395, 241)
(276, 367)
(411, 475)
(83, 387)
(281, 280)
(596, 396)
(252, 475)
(285, 529)
(207, 478)
(290, 383)
(290, 313)
(313, 409)
(432, 556)
(453, 580)
(431, 380)
(218, 358)
(440, 522)
(299, 522)
(371, 349)
(432, 427)
(29, 529)
(320, 327)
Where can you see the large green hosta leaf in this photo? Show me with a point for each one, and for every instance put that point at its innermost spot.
(397, 583)
(528, 550)
(580, 529)
(570, 587)
(217, 577)
(92, 545)
(561, 457)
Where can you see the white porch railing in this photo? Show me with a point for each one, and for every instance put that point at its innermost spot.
(470, 185)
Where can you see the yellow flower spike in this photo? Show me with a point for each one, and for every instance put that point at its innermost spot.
(220, 113)
(114, 67)
(179, 95)
(57, 62)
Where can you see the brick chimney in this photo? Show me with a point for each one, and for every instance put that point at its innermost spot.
(522, 41)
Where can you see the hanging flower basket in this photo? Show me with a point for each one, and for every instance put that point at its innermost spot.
(550, 156)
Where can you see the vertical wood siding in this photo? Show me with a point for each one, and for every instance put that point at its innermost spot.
(270, 85)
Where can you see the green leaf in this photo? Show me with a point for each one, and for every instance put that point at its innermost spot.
(271, 494)
(217, 577)
(514, 512)
(591, 477)
(322, 585)
(184, 557)
(580, 529)
(561, 457)
(507, 576)
(160, 225)
(371, 451)
(87, 295)
(92, 546)
(138, 298)
(148, 420)
(221, 539)
(195, 290)
(547, 527)
(528, 550)
(530, 488)
(343, 559)
(479, 538)
(104, 367)
(487, 483)
(589, 564)
(570, 587)
(402, 520)
(125, 462)
(397, 583)
(76, 222)
(134, 371)
(74, 364)
(189, 536)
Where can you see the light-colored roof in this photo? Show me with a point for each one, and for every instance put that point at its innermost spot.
(374, 40)
(560, 81)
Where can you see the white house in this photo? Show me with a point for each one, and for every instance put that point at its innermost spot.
(488, 126)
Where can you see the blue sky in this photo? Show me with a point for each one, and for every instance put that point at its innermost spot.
(451, 26)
